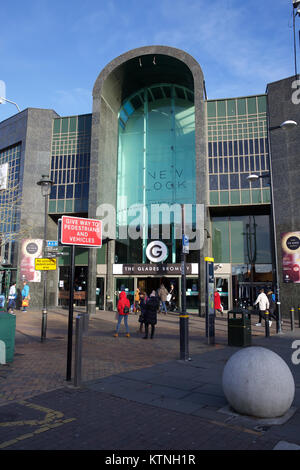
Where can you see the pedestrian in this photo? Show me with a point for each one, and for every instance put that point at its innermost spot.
(263, 305)
(143, 301)
(25, 296)
(163, 294)
(172, 297)
(12, 295)
(272, 305)
(137, 300)
(218, 305)
(123, 311)
(151, 314)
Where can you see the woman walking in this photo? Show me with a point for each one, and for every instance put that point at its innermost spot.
(123, 311)
(151, 314)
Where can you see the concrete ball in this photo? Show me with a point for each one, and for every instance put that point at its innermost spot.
(257, 382)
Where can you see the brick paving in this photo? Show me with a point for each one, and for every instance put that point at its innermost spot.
(40, 410)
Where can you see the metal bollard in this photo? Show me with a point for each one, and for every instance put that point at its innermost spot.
(267, 326)
(78, 350)
(292, 316)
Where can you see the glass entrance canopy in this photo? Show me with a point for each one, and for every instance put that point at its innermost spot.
(156, 154)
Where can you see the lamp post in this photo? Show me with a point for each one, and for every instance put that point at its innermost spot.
(9, 101)
(286, 125)
(46, 184)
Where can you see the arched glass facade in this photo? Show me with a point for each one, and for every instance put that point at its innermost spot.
(156, 154)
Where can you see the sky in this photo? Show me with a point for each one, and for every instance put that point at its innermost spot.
(51, 51)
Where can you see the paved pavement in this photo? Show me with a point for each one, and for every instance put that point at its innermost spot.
(135, 394)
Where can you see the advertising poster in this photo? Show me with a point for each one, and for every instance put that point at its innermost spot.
(290, 243)
(30, 249)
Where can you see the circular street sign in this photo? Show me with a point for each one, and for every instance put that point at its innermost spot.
(156, 251)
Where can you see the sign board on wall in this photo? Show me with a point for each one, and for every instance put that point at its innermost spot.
(30, 249)
(290, 244)
(45, 264)
(81, 231)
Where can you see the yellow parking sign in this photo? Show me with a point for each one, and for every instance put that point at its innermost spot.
(45, 264)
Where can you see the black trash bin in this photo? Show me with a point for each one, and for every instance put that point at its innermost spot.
(239, 327)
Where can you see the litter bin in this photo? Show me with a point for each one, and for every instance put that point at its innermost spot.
(7, 335)
(239, 327)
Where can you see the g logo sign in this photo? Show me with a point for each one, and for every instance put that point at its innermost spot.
(156, 251)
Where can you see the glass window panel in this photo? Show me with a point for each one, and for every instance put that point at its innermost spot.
(234, 181)
(220, 149)
(77, 191)
(221, 165)
(214, 198)
(262, 104)
(221, 106)
(64, 125)
(241, 149)
(235, 151)
(244, 182)
(256, 196)
(241, 164)
(56, 126)
(220, 240)
(245, 197)
(72, 126)
(225, 165)
(246, 163)
(69, 191)
(210, 165)
(209, 149)
(252, 105)
(53, 193)
(231, 107)
(213, 182)
(211, 109)
(223, 181)
(230, 149)
(235, 197)
(241, 105)
(225, 152)
(237, 232)
(61, 192)
(224, 197)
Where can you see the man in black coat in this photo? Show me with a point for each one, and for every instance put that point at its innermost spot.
(150, 316)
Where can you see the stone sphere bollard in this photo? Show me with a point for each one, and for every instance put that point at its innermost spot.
(257, 382)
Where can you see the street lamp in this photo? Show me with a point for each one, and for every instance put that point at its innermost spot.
(9, 101)
(46, 184)
(286, 125)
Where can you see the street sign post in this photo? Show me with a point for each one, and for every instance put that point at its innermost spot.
(77, 231)
(81, 231)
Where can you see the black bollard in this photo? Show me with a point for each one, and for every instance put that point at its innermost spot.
(292, 316)
(267, 326)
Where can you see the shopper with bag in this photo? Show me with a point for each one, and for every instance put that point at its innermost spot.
(25, 296)
(123, 311)
(12, 295)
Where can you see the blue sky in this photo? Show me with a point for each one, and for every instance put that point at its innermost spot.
(52, 51)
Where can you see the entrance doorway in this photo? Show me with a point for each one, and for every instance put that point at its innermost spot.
(148, 284)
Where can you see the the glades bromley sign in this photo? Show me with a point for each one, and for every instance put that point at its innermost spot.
(81, 231)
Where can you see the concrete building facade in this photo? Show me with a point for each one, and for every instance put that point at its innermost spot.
(152, 138)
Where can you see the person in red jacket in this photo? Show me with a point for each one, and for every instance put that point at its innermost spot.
(123, 311)
(218, 305)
